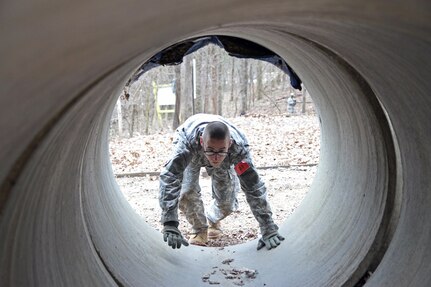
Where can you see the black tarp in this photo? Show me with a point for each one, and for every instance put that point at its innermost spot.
(235, 47)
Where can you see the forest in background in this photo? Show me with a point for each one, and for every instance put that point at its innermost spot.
(253, 95)
(207, 81)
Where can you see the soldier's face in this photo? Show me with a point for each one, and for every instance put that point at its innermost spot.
(215, 150)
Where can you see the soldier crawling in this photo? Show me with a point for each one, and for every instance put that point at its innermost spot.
(212, 142)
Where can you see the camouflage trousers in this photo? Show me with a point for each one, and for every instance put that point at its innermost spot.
(225, 187)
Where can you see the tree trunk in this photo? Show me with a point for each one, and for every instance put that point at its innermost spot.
(149, 105)
(220, 93)
(214, 83)
(250, 86)
(132, 121)
(194, 88)
(176, 119)
(244, 85)
(259, 75)
(204, 81)
(186, 89)
(232, 80)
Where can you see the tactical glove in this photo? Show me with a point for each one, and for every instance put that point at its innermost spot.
(172, 235)
(270, 241)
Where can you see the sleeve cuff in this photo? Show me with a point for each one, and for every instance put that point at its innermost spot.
(171, 223)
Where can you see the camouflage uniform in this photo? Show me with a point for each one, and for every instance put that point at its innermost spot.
(179, 181)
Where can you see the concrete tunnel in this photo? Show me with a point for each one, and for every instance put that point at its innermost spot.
(367, 64)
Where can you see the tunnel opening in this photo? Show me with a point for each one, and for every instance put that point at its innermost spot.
(145, 116)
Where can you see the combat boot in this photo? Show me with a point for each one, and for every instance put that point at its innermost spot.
(200, 238)
(214, 230)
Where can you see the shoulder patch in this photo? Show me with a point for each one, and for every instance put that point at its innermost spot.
(241, 167)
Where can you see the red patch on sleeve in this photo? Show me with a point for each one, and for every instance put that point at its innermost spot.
(241, 167)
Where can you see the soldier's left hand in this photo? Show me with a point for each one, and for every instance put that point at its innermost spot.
(270, 241)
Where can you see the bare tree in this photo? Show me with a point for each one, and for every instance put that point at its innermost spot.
(250, 85)
(220, 92)
(148, 107)
(186, 89)
(204, 81)
(259, 75)
(224, 85)
(177, 91)
(214, 83)
(243, 86)
(232, 80)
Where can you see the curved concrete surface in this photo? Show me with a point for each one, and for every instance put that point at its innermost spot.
(63, 219)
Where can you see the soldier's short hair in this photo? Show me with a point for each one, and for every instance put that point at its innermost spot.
(216, 130)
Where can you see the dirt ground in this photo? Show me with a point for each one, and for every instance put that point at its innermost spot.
(288, 157)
